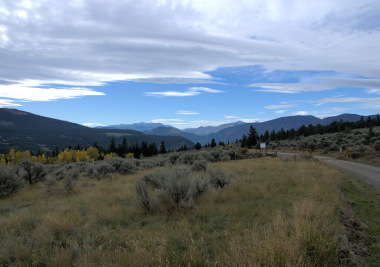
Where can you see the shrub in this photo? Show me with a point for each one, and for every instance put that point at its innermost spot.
(173, 158)
(122, 166)
(376, 145)
(200, 185)
(100, 169)
(9, 181)
(187, 158)
(218, 178)
(199, 165)
(170, 189)
(34, 171)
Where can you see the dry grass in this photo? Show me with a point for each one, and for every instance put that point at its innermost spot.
(275, 213)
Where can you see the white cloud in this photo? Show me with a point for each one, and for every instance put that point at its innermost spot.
(185, 112)
(329, 83)
(301, 113)
(8, 103)
(205, 89)
(167, 121)
(172, 93)
(193, 91)
(280, 111)
(93, 42)
(17, 92)
(169, 80)
(346, 100)
(373, 84)
(280, 106)
(248, 120)
(93, 124)
(289, 88)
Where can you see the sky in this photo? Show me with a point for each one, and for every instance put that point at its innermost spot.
(189, 63)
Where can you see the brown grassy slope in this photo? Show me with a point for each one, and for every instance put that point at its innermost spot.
(275, 213)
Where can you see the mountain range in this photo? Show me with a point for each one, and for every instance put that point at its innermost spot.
(26, 131)
(232, 131)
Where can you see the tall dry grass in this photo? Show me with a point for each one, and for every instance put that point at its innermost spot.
(275, 213)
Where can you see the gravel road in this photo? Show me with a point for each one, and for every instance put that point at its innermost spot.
(369, 173)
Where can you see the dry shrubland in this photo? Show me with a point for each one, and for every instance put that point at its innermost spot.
(270, 213)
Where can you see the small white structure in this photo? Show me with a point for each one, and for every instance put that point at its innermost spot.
(262, 145)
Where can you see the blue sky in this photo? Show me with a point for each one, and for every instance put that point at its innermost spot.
(189, 63)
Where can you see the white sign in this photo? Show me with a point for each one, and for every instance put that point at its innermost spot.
(262, 145)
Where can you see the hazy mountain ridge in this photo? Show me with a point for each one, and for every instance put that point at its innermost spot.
(140, 126)
(232, 131)
(287, 123)
(206, 130)
(26, 131)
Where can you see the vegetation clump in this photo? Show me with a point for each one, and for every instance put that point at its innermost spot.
(177, 188)
(9, 181)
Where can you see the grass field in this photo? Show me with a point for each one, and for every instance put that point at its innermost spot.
(274, 213)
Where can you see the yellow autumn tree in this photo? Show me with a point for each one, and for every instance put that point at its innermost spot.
(93, 153)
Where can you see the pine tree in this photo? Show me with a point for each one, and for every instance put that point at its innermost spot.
(162, 148)
(124, 146)
(252, 137)
(198, 146)
(213, 143)
(112, 148)
(153, 149)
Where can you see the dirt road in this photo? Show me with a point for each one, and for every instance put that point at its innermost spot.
(370, 174)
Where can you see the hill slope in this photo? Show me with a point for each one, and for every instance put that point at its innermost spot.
(26, 131)
(288, 123)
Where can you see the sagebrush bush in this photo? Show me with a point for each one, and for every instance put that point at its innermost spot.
(177, 188)
(199, 165)
(218, 178)
(34, 171)
(122, 166)
(168, 190)
(187, 158)
(99, 170)
(9, 181)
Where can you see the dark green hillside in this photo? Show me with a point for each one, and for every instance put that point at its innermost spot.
(26, 131)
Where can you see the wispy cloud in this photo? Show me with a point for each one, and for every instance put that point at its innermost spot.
(8, 103)
(280, 106)
(93, 124)
(167, 121)
(183, 39)
(346, 100)
(301, 113)
(193, 91)
(280, 111)
(172, 80)
(289, 88)
(22, 93)
(185, 112)
(248, 120)
(328, 83)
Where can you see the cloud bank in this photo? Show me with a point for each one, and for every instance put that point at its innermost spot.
(92, 42)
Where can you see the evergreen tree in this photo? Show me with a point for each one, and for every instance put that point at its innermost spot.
(112, 148)
(153, 149)
(124, 146)
(137, 151)
(266, 135)
(162, 148)
(243, 141)
(144, 149)
(213, 143)
(198, 146)
(252, 137)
